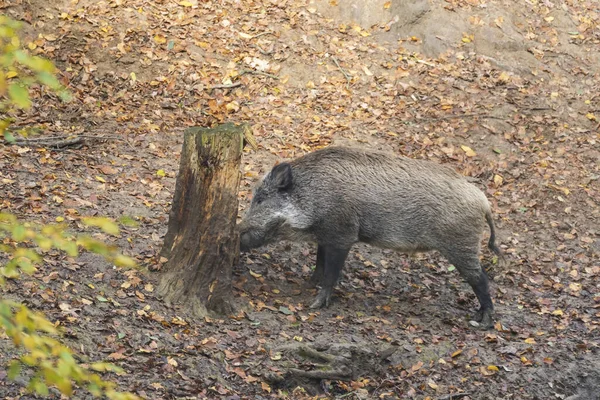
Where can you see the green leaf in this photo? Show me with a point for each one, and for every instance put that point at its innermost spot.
(128, 221)
(14, 369)
(40, 387)
(285, 310)
(19, 95)
(451, 268)
(65, 95)
(121, 260)
(46, 78)
(105, 224)
(9, 137)
(19, 233)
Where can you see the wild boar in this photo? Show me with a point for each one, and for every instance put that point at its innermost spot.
(339, 196)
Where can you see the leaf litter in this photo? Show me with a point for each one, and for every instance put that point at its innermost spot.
(142, 71)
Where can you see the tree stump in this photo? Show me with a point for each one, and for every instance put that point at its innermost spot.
(202, 244)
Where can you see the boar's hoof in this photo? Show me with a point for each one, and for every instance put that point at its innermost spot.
(323, 299)
(483, 320)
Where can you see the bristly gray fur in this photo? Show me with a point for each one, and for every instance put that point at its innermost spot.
(339, 196)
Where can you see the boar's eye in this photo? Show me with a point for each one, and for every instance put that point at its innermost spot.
(259, 197)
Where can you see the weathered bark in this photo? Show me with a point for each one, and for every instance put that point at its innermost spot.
(202, 242)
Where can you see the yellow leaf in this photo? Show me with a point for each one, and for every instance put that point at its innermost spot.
(498, 180)
(31, 46)
(387, 5)
(468, 151)
(161, 173)
(530, 341)
(121, 48)
(276, 356)
(254, 274)
(11, 74)
(456, 353)
(466, 40)
(233, 106)
(133, 77)
(557, 312)
(100, 179)
(492, 368)
(265, 387)
(298, 338)
(60, 219)
(504, 77)
(499, 21)
(186, 3)
(276, 291)
(589, 116)
(160, 39)
(549, 19)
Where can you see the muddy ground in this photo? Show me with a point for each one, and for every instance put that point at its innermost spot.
(506, 94)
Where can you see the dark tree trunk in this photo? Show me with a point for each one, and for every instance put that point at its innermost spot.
(202, 243)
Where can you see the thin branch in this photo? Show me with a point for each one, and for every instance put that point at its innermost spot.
(226, 86)
(334, 375)
(50, 138)
(309, 352)
(253, 72)
(262, 34)
(58, 142)
(472, 115)
(348, 77)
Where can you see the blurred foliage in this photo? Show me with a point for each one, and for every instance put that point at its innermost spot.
(19, 71)
(52, 362)
(43, 359)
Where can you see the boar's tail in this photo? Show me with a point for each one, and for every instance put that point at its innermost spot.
(492, 242)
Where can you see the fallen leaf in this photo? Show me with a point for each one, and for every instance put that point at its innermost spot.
(468, 151)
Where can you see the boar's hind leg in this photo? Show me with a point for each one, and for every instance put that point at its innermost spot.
(333, 262)
(470, 269)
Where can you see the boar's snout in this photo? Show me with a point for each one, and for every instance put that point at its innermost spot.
(250, 239)
(245, 239)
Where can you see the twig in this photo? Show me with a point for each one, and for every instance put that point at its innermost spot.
(454, 396)
(226, 86)
(484, 115)
(253, 72)
(262, 34)
(51, 138)
(306, 351)
(59, 142)
(334, 375)
(348, 78)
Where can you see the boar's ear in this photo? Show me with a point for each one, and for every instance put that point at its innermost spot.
(282, 176)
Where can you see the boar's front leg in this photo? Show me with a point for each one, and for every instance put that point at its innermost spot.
(333, 262)
(317, 276)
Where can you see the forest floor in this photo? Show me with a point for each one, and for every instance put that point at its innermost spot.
(509, 96)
